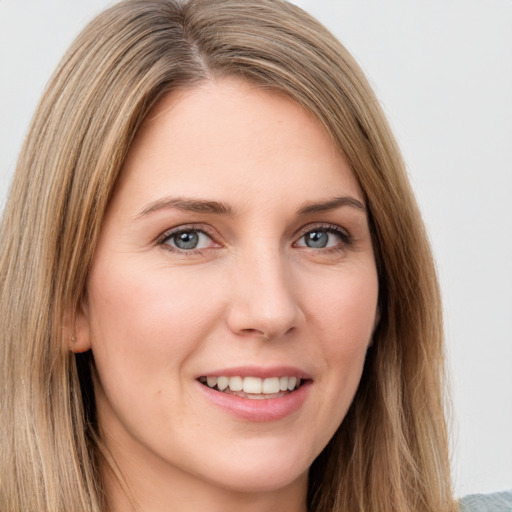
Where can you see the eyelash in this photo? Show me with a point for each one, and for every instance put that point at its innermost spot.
(346, 239)
(168, 235)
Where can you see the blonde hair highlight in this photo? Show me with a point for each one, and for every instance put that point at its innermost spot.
(390, 453)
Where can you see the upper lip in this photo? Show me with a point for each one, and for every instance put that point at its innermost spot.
(258, 371)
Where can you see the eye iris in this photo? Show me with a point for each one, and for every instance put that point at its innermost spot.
(186, 240)
(317, 239)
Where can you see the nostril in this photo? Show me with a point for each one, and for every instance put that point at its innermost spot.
(256, 333)
(264, 335)
(261, 316)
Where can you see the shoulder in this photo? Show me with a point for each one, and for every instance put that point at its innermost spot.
(497, 502)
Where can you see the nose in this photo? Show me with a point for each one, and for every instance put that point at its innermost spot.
(264, 297)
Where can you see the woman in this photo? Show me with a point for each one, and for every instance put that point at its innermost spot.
(216, 286)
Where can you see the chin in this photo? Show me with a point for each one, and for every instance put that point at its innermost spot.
(261, 482)
(260, 473)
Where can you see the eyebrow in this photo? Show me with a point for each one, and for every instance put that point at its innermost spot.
(187, 205)
(331, 204)
(217, 208)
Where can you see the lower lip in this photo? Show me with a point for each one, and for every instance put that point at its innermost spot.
(263, 410)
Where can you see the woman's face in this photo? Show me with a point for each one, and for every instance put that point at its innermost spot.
(235, 254)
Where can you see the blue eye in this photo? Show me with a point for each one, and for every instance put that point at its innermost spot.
(187, 240)
(316, 239)
(323, 238)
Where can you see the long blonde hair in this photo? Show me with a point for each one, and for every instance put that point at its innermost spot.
(390, 453)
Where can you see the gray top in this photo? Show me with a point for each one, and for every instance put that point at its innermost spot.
(497, 502)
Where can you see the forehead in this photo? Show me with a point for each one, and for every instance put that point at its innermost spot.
(234, 139)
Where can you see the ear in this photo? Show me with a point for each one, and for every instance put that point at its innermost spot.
(76, 327)
(377, 318)
(375, 325)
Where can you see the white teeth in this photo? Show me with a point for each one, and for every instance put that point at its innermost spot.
(222, 383)
(271, 386)
(236, 383)
(252, 385)
(211, 381)
(256, 397)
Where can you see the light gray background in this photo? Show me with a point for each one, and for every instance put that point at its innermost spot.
(443, 71)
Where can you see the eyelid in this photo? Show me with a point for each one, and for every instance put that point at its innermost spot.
(345, 236)
(332, 228)
(183, 228)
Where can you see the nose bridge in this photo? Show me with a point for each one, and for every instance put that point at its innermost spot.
(263, 300)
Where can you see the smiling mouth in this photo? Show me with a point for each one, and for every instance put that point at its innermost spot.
(253, 388)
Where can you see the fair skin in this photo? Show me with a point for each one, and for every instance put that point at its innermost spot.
(236, 245)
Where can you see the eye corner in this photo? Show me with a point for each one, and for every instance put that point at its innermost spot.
(320, 238)
(187, 240)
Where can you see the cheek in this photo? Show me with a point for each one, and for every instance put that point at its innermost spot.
(343, 316)
(141, 317)
(344, 329)
(345, 310)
